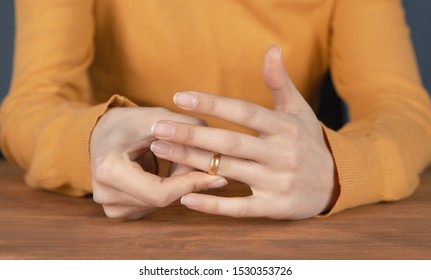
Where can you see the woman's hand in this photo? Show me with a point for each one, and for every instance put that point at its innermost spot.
(288, 166)
(123, 166)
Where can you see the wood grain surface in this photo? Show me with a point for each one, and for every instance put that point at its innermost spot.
(37, 224)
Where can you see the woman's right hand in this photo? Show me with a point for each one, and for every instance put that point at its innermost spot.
(123, 166)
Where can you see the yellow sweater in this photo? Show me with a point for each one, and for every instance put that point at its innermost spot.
(73, 55)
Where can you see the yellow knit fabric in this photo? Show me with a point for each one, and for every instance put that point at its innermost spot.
(72, 56)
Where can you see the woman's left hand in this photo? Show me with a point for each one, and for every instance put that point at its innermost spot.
(288, 167)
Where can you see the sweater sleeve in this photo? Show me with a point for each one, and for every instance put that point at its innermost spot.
(47, 117)
(381, 152)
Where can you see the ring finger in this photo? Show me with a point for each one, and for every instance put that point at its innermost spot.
(230, 167)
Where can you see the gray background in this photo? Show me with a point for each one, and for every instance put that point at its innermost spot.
(417, 16)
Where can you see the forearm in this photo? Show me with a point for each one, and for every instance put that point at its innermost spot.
(380, 153)
(47, 117)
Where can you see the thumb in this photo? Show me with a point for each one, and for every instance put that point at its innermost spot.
(284, 93)
(179, 169)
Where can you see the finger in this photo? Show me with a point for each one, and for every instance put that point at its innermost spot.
(237, 111)
(107, 195)
(284, 93)
(230, 167)
(151, 189)
(126, 212)
(240, 207)
(212, 139)
(179, 169)
(132, 139)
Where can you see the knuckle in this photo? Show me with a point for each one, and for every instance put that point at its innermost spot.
(247, 112)
(274, 124)
(283, 125)
(194, 184)
(285, 182)
(197, 187)
(294, 162)
(290, 160)
(103, 170)
(210, 105)
(182, 154)
(214, 208)
(233, 144)
(188, 134)
(295, 131)
(160, 199)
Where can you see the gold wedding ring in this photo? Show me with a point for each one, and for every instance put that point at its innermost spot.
(215, 163)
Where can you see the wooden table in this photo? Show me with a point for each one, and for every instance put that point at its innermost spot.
(41, 225)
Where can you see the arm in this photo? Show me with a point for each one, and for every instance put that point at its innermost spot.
(380, 153)
(46, 119)
(50, 128)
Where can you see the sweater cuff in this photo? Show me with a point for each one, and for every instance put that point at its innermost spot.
(72, 176)
(355, 177)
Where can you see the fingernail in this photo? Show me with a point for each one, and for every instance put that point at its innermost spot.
(186, 100)
(161, 148)
(163, 129)
(218, 183)
(190, 201)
